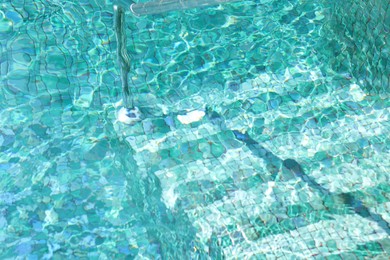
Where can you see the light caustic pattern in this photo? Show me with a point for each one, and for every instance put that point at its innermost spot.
(286, 156)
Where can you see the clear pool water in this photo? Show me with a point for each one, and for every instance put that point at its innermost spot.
(289, 161)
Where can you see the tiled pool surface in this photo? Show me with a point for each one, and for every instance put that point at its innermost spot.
(289, 161)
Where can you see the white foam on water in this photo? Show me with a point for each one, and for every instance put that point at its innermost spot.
(129, 116)
(191, 117)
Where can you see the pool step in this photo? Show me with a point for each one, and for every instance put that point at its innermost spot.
(164, 133)
(351, 171)
(348, 129)
(272, 106)
(167, 130)
(224, 184)
(199, 182)
(323, 238)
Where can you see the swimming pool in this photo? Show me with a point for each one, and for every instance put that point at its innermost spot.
(286, 156)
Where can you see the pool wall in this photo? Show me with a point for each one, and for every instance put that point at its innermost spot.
(364, 27)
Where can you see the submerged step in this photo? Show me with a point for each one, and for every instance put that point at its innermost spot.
(313, 240)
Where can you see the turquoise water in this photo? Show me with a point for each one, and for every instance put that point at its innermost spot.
(289, 161)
